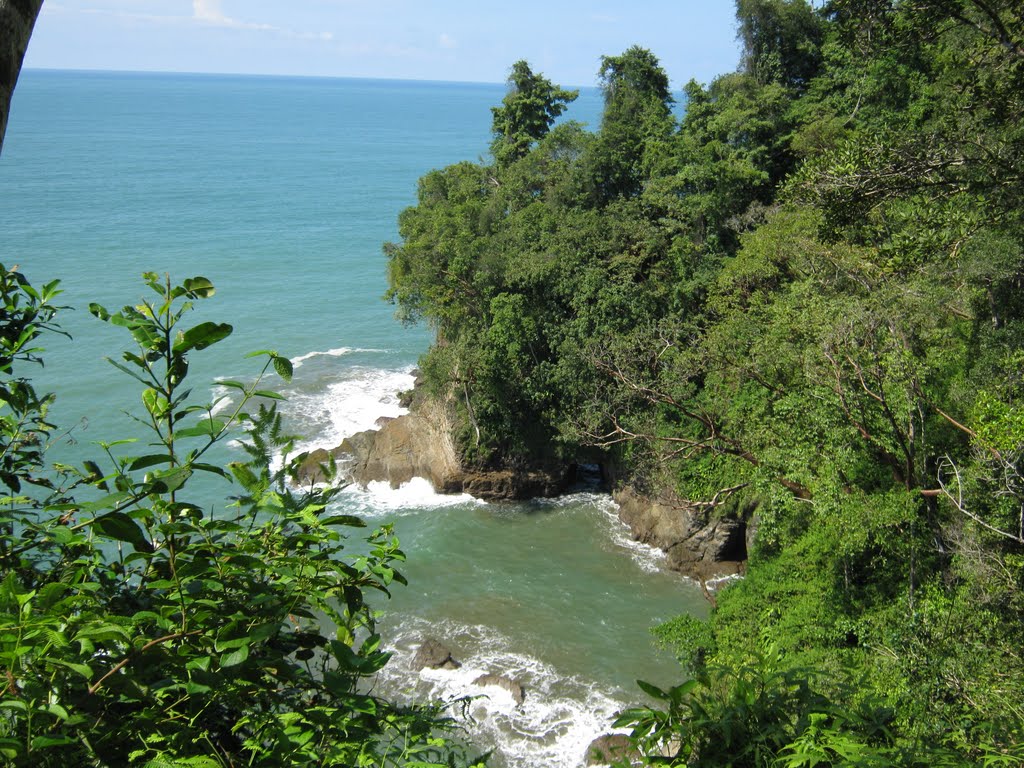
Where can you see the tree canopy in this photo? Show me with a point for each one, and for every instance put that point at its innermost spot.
(798, 304)
(527, 113)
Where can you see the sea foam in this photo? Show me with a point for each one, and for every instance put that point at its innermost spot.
(336, 352)
(351, 403)
(379, 499)
(559, 717)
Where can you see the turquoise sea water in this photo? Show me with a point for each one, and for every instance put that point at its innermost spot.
(281, 191)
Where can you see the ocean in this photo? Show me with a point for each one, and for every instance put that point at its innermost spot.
(282, 192)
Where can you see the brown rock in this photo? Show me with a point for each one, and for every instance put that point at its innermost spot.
(407, 447)
(419, 444)
(433, 655)
(501, 681)
(696, 542)
(607, 749)
(310, 470)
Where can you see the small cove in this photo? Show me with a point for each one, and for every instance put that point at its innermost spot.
(282, 190)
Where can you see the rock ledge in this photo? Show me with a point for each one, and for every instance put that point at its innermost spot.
(419, 444)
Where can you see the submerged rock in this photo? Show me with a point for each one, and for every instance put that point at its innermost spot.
(501, 681)
(433, 655)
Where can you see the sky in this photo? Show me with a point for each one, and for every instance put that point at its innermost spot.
(452, 40)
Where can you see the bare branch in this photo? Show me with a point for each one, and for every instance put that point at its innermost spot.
(957, 499)
(719, 497)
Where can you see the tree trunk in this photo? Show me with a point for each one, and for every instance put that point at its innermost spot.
(17, 17)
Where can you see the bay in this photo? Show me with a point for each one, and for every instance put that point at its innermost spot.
(282, 191)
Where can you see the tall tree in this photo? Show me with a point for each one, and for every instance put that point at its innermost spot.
(532, 104)
(17, 18)
(637, 120)
(781, 40)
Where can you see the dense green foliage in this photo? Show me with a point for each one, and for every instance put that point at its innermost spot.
(804, 299)
(137, 627)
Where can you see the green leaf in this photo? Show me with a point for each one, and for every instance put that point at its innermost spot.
(212, 469)
(99, 311)
(283, 366)
(206, 428)
(652, 690)
(166, 482)
(41, 742)
(678, 692)
(155, 403)
(199, 287)
(350, 521)
(268, 394)
(80, 669)
(120, 527)
(202, 336)
(95, 475)
(103, 633)
(201, 663)
(108, 501)
(235, 658)
(144, 462)
(57, 711)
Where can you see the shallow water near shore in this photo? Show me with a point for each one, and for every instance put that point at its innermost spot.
(281, 191)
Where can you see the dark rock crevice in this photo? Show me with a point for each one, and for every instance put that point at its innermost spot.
(697, 543)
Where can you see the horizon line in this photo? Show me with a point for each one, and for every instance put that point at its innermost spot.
(279, 76)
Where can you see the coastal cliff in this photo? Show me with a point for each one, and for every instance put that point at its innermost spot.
(697, 542)
(419, 444)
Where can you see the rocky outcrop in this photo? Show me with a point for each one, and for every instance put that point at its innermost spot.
(419, 444)
(697, 542)
(611, 748)
(507, 683)
(311, 468)
(433, 655)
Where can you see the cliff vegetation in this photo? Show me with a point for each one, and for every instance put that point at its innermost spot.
(800, 303)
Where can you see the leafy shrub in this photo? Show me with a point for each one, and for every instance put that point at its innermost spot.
(137, 627)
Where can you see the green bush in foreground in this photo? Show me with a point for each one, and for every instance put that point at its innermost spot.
(138, 628)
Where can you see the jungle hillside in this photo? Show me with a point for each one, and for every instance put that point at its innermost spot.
(798, 304)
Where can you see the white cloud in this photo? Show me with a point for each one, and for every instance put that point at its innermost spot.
(447, 41)
(209, 12)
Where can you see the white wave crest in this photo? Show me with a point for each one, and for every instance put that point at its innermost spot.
(649, 559)
(380, 499)
(559, 717)
(352, 404)
(336, 352)
(222, 398)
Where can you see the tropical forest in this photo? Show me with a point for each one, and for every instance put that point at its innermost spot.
(790, 300)
(799, 304)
